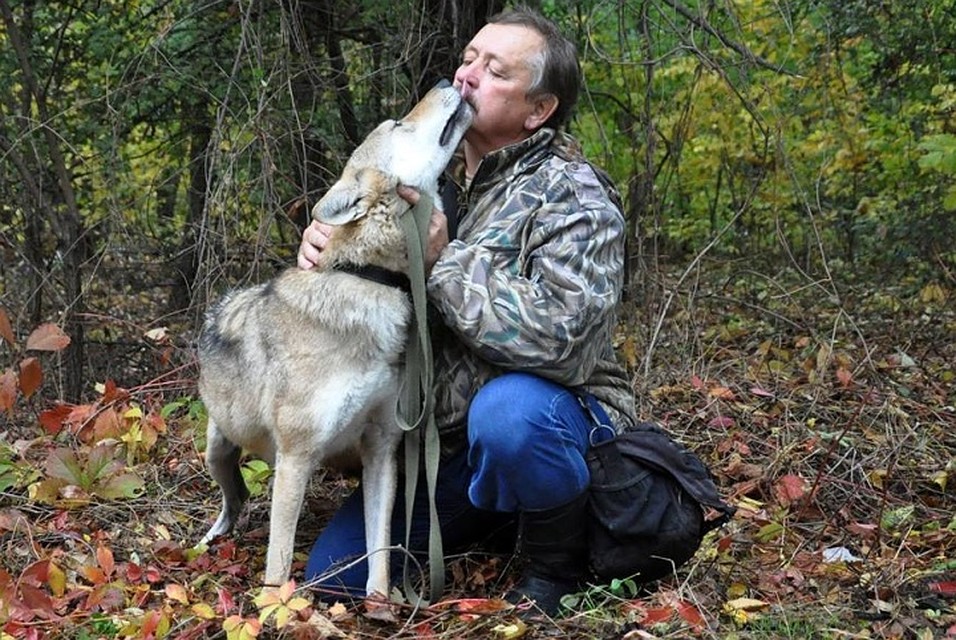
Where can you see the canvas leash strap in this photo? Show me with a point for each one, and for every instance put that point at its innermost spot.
(416, 414)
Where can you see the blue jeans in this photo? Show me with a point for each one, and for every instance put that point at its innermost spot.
(527, 437)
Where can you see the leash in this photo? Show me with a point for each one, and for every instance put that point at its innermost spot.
(416, 408)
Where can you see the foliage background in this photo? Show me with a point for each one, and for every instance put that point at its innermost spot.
(789, 174)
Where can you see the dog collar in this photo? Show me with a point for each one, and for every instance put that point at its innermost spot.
(380, 275)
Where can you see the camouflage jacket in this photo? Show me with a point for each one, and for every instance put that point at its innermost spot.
(531, 282)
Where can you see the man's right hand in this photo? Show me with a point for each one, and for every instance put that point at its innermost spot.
(314, 240)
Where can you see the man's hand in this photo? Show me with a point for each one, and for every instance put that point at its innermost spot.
(314, 240)
(437, 228)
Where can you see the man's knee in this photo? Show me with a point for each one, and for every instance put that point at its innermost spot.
(503, 413)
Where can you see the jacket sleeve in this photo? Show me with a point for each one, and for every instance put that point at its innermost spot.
(543, 301)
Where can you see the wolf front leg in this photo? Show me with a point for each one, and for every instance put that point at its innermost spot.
(379, 476)
(292, 472)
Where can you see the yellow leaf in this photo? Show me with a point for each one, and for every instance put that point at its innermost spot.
(177, 592)
(268, 596)
(744, 604)
(133, 412)
(56, 579)
(298, 604)
(932, 292)
(940, 478)
(282, 617)
(876, 477)
(267, 611)
(203, 611)
(736, 590)
(511, 631)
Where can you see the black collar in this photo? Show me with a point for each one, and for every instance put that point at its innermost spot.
(380, 275)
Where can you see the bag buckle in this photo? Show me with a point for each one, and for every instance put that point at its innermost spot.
(601, 433)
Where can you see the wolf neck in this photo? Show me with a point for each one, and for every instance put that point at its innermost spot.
(374, 273)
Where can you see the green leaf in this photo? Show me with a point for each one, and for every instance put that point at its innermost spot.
(126, 485)
(63, 465)
(896, 517)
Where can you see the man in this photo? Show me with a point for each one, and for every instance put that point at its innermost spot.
(526, 294)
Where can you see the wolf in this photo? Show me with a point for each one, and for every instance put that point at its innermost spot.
(307, 368)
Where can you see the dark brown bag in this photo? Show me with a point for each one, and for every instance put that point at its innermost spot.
(647, 496)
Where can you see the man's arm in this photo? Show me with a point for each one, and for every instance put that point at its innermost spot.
(551, 318)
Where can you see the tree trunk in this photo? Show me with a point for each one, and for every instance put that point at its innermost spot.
(186, 263)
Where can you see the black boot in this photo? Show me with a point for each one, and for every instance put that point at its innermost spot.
(554, 548)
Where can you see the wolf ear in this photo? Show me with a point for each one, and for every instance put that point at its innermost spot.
(339, 205)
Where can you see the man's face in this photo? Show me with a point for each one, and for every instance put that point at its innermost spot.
(494, 77)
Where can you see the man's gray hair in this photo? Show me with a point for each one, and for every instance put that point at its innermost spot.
(555, 70)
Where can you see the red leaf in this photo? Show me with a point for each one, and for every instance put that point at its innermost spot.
(53, 419)
(947, 589)
(721, 422)
(153, 575)
(762, 393)
(36, 574)
(47, 337)
(656, 616)
(226, 602)
(789, 489)
(134, 572)
(112, 393)
(6, 331)
(721, 393)
(480, 605)
(31, 376)
(38, 601)
(150, 624)
(8, 390)
(94, 574)
(690, 614)
(845, 377)
(105, 559)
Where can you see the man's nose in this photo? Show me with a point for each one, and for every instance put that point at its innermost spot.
(466, 79)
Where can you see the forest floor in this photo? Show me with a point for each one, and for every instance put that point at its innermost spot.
(827, 415)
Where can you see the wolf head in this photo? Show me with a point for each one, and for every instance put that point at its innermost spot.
(412, 151)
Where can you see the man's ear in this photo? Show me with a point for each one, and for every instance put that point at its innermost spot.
(544, 107)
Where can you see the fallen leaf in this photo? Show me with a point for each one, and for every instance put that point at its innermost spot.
(6, 330)
(691, 614)
(47, 337)
(789, 489)
(517, 629)
(657, 616)
(481, 605)
(721, 422)
(721, 393)
(745, 604)
(8, 390)
(845, 377)
(177, 592)
(947, 589)
(31, 376)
